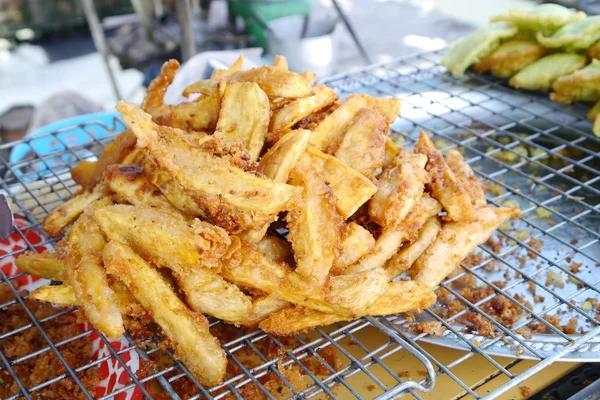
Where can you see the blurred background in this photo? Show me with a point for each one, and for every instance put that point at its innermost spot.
(62, 58)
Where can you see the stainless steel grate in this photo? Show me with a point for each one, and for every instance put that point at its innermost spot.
(529, 150)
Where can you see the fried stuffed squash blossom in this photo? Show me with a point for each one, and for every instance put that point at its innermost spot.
(545, 18)
(541, 74)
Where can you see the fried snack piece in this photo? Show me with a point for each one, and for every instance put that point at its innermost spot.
(315, 228)
(278, 162)
(198, 115)
(444, 186)
(281, 63)
(88, 173)
(298, 109)
(466, 177)
(85, 273)
(398, 297)
(165, 237)
(357, 242)
(276, 82)
(188, 331)
(393, 236)
(476, 46)
(62, 295)
(233, 68)
(578, 35)
(408, 254)
(328, 133)
(455, 241)
(389, 107)
(510, 58)
(356, 291)
(134, 157)
(205, 87)
(262, 307)
(276, 249)
(130, 184)
(244, 116)
(594, 115)
(351, 188)
(541, 74)
(67, 212)
(310, 77)
(47, 265)
(594, 51)
(391, 151)
(399, 187)
(581, 85)
(545, 18)
(363, 145)
(229, 196)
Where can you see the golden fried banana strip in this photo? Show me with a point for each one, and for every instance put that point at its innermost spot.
(351, 188)
(278, 162)
(356, 291)
(205, 87)
(315, 228)
(67, 212)
(391, 151)
(47, 265)
(88, 173)
(393, 236)
(187, 330)
(398, 297)
(466, 176)
(328, 133)
(235, 67)
(276, 249)
(409, 253)
(293, 112)
(63, 295)
(281, 62)
(130, 184)
(399, 187)
(230, 197)
(244, 116)
(275, 82)
(262, 307)
(357, 243)
(363, 145)
(86, 275)
(389, 107)
(310, 77)
(444, 185)
(455, 241)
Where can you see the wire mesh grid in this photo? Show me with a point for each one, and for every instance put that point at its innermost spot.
(530, 152)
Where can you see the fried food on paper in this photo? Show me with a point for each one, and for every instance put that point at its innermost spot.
(362, 147)
(187, 330)
(541, 74)
(85, 273)
(581, 85)
(399, 187)
(59, 218)
(392, 237)
(88, 173)
(398, 297)
(276, 249)
(350, 188)
(445, 187)
(244, 116)
(466, 177)
(476, 46)
(455, 241)
(315, 227)
(357, 242)
(328, 133)
(411, 251)
(510, 58)
(47, 265)
(232, 198)
(298, 109)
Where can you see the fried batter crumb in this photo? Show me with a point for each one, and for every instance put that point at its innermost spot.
(433, 328)
(525, 391)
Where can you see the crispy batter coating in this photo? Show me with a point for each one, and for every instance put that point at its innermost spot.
(356, 291)
(510, 58)
(46, 265)
(541, 74)
(466, 177)
(581, 85)
(357, 242)
(545, 18)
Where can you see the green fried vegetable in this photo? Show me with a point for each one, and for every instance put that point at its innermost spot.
(545, 18)
(578, 35)
(581, 85)
(510, 58)
(541, 74)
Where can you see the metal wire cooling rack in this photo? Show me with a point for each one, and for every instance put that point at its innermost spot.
(530, 151)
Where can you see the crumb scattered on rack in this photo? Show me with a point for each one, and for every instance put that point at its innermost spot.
(525, 391)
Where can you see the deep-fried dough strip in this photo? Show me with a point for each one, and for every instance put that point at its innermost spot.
(409, 253)
(293, 112)
(444, 185)
(46, 265)
(393, 236)
(455, 241)
(230, 197)
(88, 173)
(357, 243)
(315, 227)
(465, 175)
(187, 330)
(85, 274)
(328, 133)
(398, 297)
(399, 187)
(67, 212)
(351, 188)
(363, 145)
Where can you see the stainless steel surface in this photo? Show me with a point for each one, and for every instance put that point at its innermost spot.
(7, 220)
(541, 154)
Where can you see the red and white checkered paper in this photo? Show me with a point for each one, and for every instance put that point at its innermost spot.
(112, 375)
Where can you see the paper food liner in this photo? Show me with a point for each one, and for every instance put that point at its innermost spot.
(112, 375)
